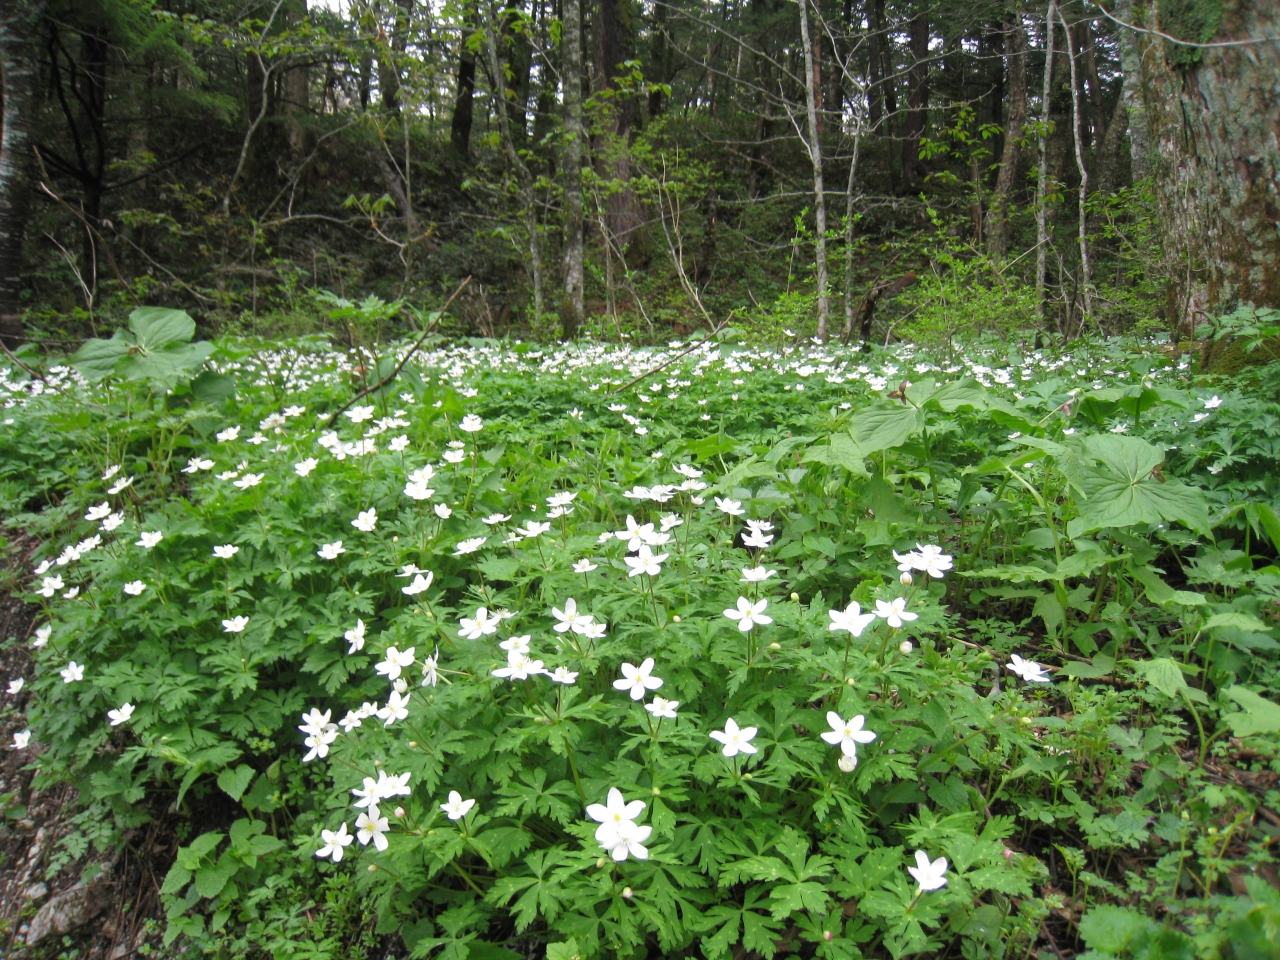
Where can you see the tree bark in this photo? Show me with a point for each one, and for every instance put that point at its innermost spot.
(1042, 180)
(297, 83)
(17, 74)
(815, 158)
(613, 32)
(917, 102)
(572, 311)
(1015, 45)
(1086, 274)
(464, 98)
(1216, 159)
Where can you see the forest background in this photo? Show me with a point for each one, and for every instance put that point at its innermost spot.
(639, 168)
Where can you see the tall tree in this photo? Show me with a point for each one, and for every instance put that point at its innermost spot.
(917, 101)
(572, 310)
(464, 95)
(613, 34)
(814, 124)
(1210, 101)
(1015, 44)
(16, 85)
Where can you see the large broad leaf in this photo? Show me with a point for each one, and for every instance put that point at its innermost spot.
(1163, 674)
(846, 452)
(957, 394)
(1123, 490)
(883, 428)
(98, 358)
(159, 327)
(1258, 717)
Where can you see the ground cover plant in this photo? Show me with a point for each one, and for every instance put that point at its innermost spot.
(707, 651)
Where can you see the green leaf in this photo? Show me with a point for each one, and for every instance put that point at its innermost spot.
(98, 358)
(846, 453)
(235, 782)
(1163, 674)
(160, 327)
(1124, 492)
(952, 396)
(564, 951)
(1240, 621)
(210, 880)
(1113, 929)
(883, 428)
(1101, 666)
(210, 387)
(1259, 715)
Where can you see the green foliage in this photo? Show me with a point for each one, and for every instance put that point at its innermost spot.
(1101, 512)
(156, 348)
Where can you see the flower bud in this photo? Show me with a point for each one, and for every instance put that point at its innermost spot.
(395, 539)
(849, 682)
(657, 792)
(847, 763)
(602, 862)
(414, 743)
(627, 893)
(1008, 854)
(775, 646)
(399, 811)
(372, 867)
(906, 579)
(795, 598)
(676, 618)
(905, 646)
(401, 686)
(827, 935)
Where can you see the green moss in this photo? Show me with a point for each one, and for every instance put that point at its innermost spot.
(1193, 20)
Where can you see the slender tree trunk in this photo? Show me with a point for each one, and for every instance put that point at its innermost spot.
(998, 213)
(1108, 160)
(1098, 109)
(297, 83)
(877, 54)
(17, 75)
(520, 64)
(815, 158)
(1086, 274)
(657, 68)
(917, 102)
(1042, 180)
(1211, 114)
(850, 211)
(464, 97)
(572, 311)
(1131, 94)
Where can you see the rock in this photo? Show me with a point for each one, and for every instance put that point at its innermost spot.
(37, 891)
(70, 909)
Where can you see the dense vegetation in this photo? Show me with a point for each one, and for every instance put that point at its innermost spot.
(957, 653)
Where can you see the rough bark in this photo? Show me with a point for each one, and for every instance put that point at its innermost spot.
(572, 311)
(464, 98)
(879, 56)
(1086, 274)
(297, 83)
(1215, 157)
(17, 75)
(1042, 179)
(815, 158)
(613, 33)
(917, 102)
(1131, 94)
(1015, 44)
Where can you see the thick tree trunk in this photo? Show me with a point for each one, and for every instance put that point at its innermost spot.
(1042, 178)
(1015, 44)
(17, 73)
(520, 64)
(878, 69)
(917, 102)
(1131, 94)
(297, 82)
(613, 32)
(1211, 114)
(815, 158)
(657, 69)
(572, 311)
(464, 98)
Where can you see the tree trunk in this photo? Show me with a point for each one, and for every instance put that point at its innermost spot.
(1015, 45)
(815, 158)
(464, 98)
(1042, 180)
(520, 64)
(17, 73)
(1139, 135)
(572, 311)
(878, 55)
(613, 31)
(1086, 274)
(917, 102)
(297, 81)
(1216, 161)
(657, 68)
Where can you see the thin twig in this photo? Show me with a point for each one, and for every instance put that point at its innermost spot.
(400, 366)
(678, 356)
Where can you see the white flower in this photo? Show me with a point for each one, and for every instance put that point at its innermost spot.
(134, 587)
(1028, 670)
(455, 456)
(749, 614)
(533, 529)
(148, 540)
(226, 551)
(645, 562)
(355, 636)
(443, 511)
(397, 708)
(563, 675)
(481, 625)
(228, 475)
(932, 560)
(20, 739)
(113, 521)
(895, 612)
(398, 443)
(756, 539)
(50, 585)
(120, 485)
(519, 667)
(732, 507)
(847, 733)
(846, 763)
(756, 574)
(583, 566)
(419, 585)
(618, 832)
(111, 471)
(636, 680)
(469, 546)
(72, 672)
(851, 618)
(494, 519)
(471, 424)
(15, 686)
(905, 646)
(229, 434)
(100, 512)
(351, 720)
(315, 722)
(120, 716)
(335, 841)
(430, 670)
(516, 644)
(235, 625)
(635, 535)
(306, 466)
(661, 707)
(249, 480)
(930, 876)
(318, 744)
(370, 826)
(331, 551)
(359, 414)
(735, 739)
(42, 636)
(569, 618)
(395, 662)
(562, 499)
(366, 520)
(1213, 403)
(456, 808)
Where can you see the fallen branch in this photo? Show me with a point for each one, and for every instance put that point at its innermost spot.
(678, 356)
(399, 366)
